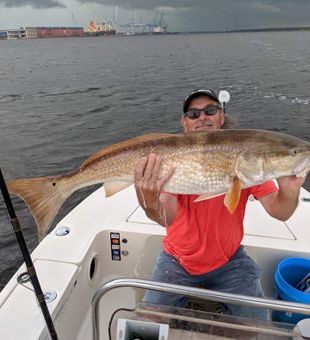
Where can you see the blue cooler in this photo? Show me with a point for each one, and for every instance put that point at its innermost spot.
(292, 273)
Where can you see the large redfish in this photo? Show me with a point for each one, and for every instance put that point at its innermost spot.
(207, 163)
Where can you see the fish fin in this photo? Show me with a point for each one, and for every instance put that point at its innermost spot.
(112, 188)
(43, 196)
(125, 144)
(232, 197)
(207, 196)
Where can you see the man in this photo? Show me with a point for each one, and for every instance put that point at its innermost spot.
(202, 246)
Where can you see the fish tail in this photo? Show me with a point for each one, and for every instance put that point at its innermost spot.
(44, 196)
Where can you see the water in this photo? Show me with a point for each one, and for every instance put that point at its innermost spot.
(63, 99)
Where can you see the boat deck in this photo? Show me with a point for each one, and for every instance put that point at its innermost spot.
(75, 265)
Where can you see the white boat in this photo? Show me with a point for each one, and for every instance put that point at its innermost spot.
(90, 278)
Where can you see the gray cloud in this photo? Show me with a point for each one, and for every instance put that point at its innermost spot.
(33, 3)
(177, 4)
(186, 4)
(191, 5)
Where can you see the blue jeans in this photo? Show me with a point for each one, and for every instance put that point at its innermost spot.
(240, 275)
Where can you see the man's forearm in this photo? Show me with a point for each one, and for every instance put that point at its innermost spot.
(283, 205)
(161, 215)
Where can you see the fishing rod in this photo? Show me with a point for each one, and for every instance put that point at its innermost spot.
(27, 258)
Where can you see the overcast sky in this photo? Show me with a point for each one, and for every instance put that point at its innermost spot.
(181, 15)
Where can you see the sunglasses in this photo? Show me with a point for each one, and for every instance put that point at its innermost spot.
(209, 111)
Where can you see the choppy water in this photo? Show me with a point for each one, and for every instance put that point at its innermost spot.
(63, 99)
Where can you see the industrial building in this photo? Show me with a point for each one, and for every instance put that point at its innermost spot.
(41, 32)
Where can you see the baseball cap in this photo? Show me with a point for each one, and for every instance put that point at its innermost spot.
(198, 93)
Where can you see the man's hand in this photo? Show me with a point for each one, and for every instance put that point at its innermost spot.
(149, 185)
(291, 184)
(282, 204)
(147, 182)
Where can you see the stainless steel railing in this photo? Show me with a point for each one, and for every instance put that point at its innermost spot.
(203, 294)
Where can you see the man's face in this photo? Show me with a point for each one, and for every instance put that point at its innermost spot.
(203, 122)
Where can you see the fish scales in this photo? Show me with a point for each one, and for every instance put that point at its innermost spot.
(196, 168)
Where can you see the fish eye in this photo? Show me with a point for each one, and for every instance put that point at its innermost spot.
(293, 152)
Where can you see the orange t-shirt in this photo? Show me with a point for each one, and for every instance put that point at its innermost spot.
(204, 235)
